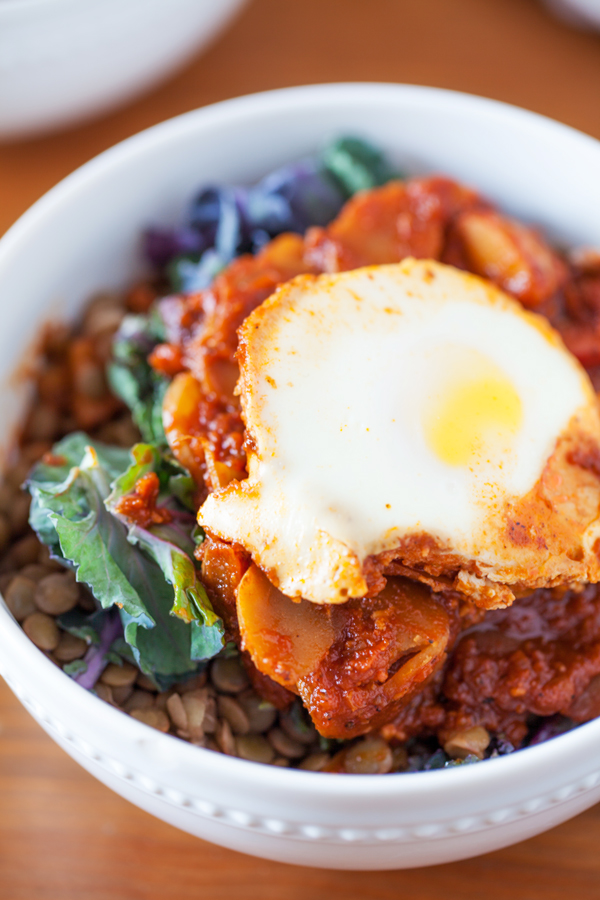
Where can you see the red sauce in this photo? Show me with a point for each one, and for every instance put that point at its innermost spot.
(140, 506)
(539, 657)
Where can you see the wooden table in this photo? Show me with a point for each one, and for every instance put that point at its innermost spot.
(63, 836)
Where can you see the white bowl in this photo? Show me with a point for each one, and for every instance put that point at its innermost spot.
(65, 60)
(82, 236)
(580, 13)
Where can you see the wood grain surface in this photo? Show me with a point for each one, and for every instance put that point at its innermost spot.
(64, 836)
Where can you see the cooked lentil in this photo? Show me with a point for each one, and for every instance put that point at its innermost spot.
(296, 724)
(195, 705)
(255, 748)
(116, 676)
(57, 594)
(155, 718)
(284, 745)
(42, 630)
(369, 756)
(139, 700)
(314, 762)
(228, 675)
(121, 693)
(69, 648)
(224, 738)
(472, 741)
(261, 714)
(233, 713)
(178, 715)
(19, 596)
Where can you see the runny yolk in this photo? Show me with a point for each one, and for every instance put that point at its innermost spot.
(475, 414)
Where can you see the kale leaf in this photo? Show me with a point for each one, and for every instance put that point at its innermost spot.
(167, 618)
(133, 379)
(171, 547)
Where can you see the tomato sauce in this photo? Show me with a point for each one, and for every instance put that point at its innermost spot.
(499, 669)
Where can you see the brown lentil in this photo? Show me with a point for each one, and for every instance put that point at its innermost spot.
(160, 700)
(70, 648)
(192, 684)
(297, 725)
(145, 683)
(255, 748)
(233, 713)
(369, 756)
(228, 675)
(261, 715)
(473, 741)
(122, 693)
(42, 630)
(224, 738)
(119, 676)
(210, 716)
(104, 692)
(153, 717)
(18, 514)
(57, 594)
(315, 762)
(19, 597)
(195, 705)
(284, 745)
(36, 571)
(177, 712)
(24, 551)
(139, 700)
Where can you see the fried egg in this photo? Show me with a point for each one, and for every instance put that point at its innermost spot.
(412, 416)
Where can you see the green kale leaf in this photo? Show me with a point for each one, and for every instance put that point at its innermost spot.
(167, 618)
(133, 379)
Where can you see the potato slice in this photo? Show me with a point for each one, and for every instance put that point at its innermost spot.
(385, 649)
(354, 664)
(286, 639)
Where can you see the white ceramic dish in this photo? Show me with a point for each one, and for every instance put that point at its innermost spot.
(580, 13)
(65, 60)
(83, 235)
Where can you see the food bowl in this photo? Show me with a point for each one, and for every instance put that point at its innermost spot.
(62, 60)
(579, 13)
(83, 236)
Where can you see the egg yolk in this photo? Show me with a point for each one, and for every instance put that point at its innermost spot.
(474, 414)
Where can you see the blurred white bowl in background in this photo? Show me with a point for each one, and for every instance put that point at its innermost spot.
(65, 60)
(581, 13)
